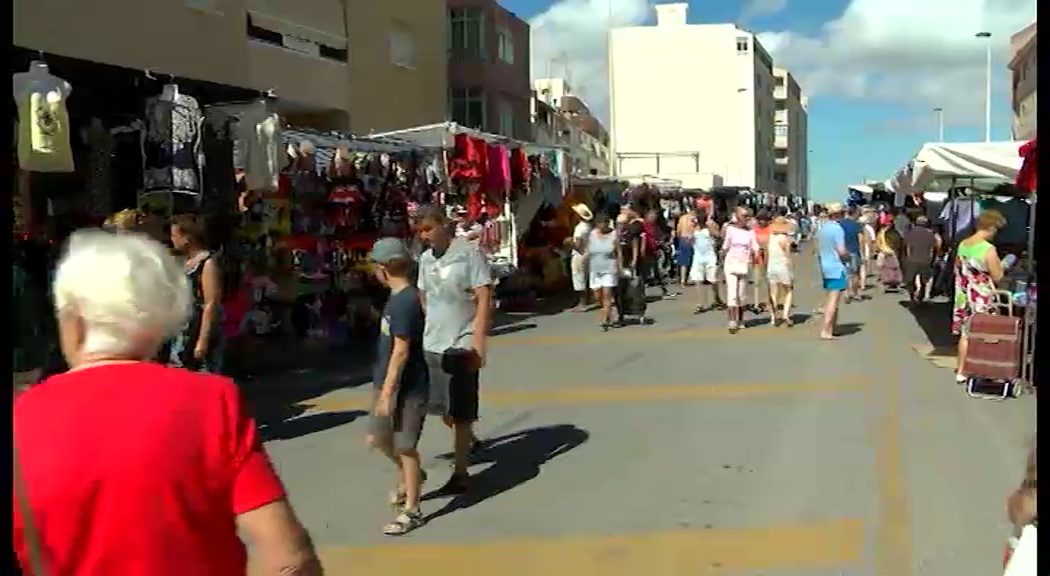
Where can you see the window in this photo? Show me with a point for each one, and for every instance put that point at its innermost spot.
(259, 33)
(741, 45)
(780, 154)
(468, 107)
(780, 177)
(402, 48)
(781, 130)
(506, 118)
(781, 105)
(467, 33)
(505, 45)
(780, 81)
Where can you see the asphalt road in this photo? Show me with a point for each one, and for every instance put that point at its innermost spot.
(678, 449)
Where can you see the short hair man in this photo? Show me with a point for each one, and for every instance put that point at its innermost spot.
(400, 380)
(831, 256)
(455, 284)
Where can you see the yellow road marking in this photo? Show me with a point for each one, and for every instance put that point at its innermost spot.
(825, 545)
(649, 335)
(893, 531)
(592, 394)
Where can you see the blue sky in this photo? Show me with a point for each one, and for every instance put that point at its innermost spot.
(862, 125)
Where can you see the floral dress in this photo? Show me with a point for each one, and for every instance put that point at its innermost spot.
(974, 288)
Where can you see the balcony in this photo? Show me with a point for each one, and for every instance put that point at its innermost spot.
(781, 160)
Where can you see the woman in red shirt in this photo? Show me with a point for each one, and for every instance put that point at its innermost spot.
(127, 467)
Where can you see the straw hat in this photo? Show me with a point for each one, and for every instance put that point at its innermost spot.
(583, 212)
(780, 225)
(835, 208)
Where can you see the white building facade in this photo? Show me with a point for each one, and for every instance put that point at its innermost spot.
(692, 103)
(790, 136)
(1023, 67)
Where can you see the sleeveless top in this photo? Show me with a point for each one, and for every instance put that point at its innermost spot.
(777, 255)
(704, 246)
(602, 249)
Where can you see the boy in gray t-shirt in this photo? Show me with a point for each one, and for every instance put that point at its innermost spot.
(455, 283)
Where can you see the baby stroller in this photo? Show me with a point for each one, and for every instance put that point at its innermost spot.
(890, 274)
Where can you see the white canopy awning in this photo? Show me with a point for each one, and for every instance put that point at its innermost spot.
(976, 160)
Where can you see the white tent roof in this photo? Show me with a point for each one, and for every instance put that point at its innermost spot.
(985, 160)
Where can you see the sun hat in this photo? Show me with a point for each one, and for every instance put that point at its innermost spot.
(583, 212)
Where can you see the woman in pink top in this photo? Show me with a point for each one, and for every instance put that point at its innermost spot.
(739, 248)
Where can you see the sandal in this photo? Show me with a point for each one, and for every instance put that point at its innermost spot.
(699, 310)
(397, 497)
(789, 322)
(405, 522)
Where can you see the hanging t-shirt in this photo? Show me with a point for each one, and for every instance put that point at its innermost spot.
(43, 122)
(961, 213)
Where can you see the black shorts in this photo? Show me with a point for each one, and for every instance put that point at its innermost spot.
(913, 270)
(453, 385)
(404, 426)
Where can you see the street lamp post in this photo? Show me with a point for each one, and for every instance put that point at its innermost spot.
(940, 123)
(612, 93)
(986, 36)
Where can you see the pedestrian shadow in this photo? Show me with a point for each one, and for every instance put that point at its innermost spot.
(298, 425)
(848, 329)
(801, 317)
(515, 459)
(511, 328)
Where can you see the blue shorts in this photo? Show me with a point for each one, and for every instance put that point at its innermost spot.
(684, 254)
(835, 284)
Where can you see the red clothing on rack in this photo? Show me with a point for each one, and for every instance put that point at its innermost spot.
(1026, 177)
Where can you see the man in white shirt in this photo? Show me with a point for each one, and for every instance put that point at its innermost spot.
(578, 261)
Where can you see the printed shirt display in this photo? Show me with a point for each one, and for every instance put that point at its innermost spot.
(43, 123)
(172, 144)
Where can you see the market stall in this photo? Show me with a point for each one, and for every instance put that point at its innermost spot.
(976, 177)
(504, 186)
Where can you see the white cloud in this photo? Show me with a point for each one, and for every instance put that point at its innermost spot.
(907, 51)
(571, 38)
(759, 8)
(918, 53)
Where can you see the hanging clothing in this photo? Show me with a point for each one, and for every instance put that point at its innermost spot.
(172, 144)
(259, 133)
(126, 167)
(960, 214)
(98, 170)
(218, 179)
(43, 122)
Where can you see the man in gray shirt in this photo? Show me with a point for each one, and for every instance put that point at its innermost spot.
(456, 286)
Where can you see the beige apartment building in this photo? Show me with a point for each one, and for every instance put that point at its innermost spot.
(359, 65)
(1023, 69)
(791, 136)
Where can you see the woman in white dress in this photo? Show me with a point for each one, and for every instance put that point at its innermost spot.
(780, 270)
